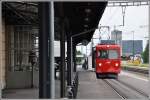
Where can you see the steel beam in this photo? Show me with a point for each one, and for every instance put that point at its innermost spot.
(127, 3)
(74, 0)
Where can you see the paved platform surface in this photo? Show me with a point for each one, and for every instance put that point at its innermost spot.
(89, 88)
(92, 88)
(28, 93)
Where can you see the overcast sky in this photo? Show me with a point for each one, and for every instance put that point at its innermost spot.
(136, 19)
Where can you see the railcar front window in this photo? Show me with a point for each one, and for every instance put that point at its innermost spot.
(108, 54)
(103, 54)
(113, 54)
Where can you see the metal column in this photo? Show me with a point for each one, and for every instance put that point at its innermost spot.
(51, 45)
(62, 66)
(69, 59)
(0, 49)
(149, 39)
(93, 60)
(46, 38)
(74, 57)
(62, 49)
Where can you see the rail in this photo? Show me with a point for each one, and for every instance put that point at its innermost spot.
(133, 88)
(120, 94)
(122, 88)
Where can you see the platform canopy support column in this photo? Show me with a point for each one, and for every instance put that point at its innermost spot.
(62, 54)
(46, 52)
(69, 59)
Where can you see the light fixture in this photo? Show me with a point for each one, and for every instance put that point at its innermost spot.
(86, 19)
(87, 10)
(86, 26)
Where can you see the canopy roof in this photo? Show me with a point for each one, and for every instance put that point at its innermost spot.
(81, 16)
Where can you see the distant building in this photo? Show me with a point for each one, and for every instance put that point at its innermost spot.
(117, 36)
(57, 48)
(127, 47)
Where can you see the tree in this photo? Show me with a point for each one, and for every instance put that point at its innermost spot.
(78, 52)
(78, 59)
(145, 54)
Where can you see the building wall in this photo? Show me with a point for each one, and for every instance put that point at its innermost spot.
(2, 55)
(117, 36)
(9, 78)
(127, 47)
(57, 48)
(90, 62)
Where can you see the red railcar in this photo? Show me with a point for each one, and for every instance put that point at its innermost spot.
(108, 60)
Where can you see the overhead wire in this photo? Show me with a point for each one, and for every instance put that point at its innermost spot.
(110, 18)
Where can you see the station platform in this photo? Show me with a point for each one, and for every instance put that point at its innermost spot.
(28, 93)
(89, 88)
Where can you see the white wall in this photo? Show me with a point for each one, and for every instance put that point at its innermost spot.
(57, 48)
(90, 62)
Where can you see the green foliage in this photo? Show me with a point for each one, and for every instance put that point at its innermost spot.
(79, 59)
(78, 53)
(145, 54)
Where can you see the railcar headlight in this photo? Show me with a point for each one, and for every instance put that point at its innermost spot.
(116, 64)
(100, 64)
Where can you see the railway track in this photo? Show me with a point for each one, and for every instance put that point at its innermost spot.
(122, 96)
(133, 88)
(125, 91)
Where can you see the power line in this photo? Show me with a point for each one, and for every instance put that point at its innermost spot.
(112, 16)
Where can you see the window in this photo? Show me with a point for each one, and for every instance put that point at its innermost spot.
(113, 54)
(103, 54)
(108, 54)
